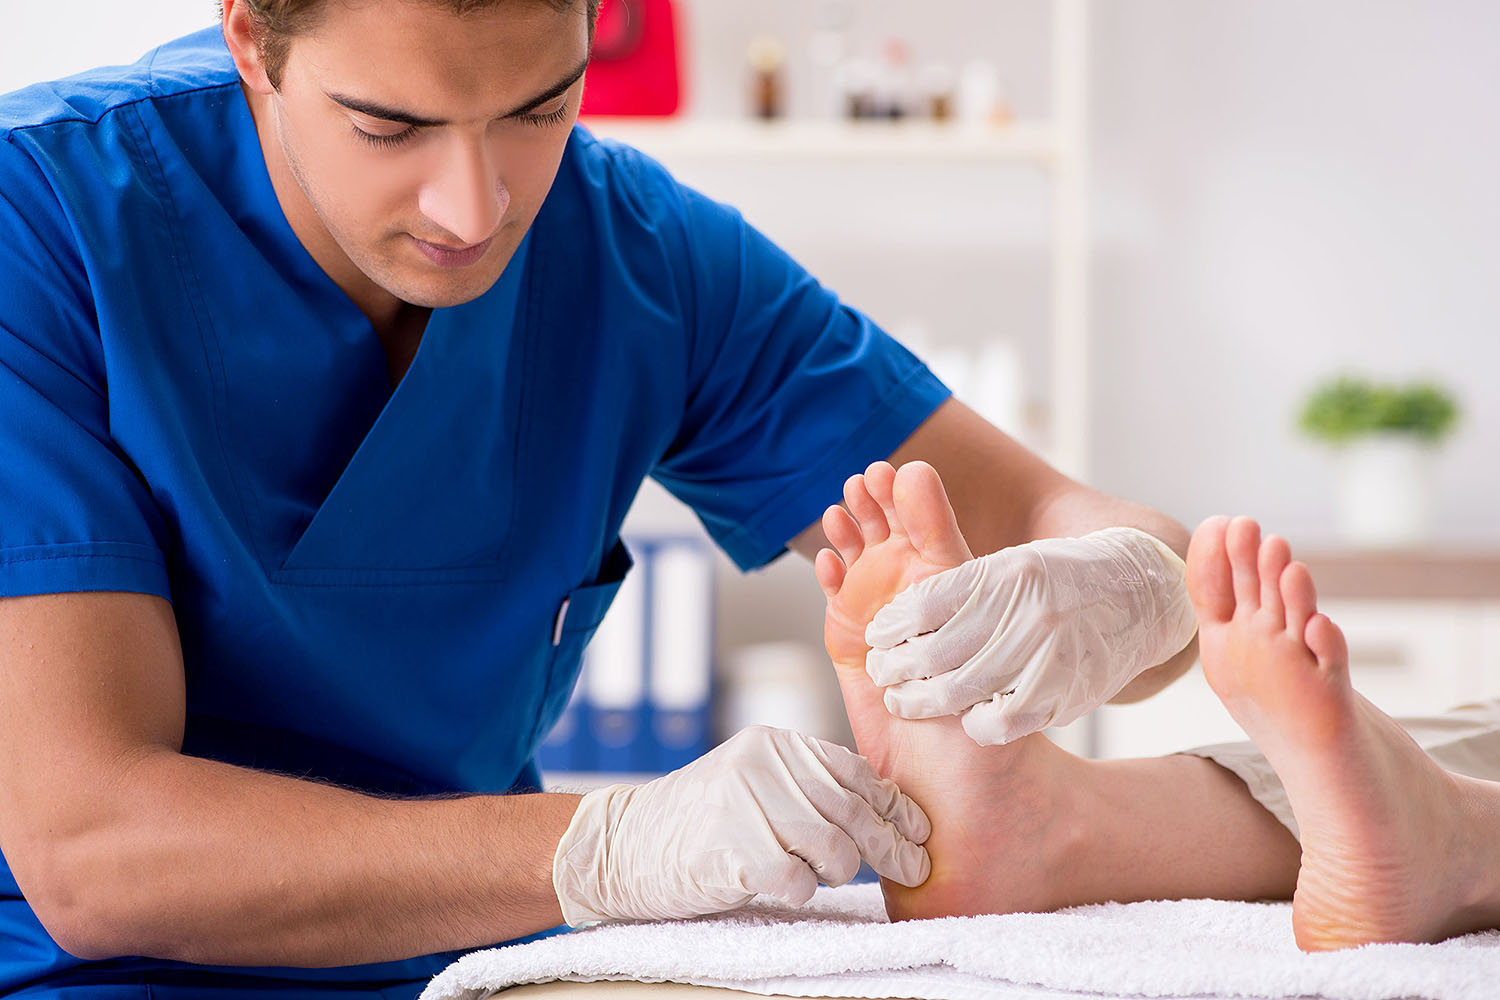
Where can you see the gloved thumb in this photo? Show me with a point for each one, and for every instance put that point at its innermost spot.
(989, 724)
(925, 606)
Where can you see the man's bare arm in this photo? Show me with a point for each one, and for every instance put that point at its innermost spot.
(1004, 495)
(123, 846)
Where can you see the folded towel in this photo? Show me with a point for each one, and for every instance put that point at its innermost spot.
(841, 945)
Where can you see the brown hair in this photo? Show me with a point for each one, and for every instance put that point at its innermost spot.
(274, 23)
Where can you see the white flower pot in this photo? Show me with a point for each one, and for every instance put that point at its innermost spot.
(1384, 491)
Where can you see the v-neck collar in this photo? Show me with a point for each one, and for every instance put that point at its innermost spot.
(436, 449)
(447, 417)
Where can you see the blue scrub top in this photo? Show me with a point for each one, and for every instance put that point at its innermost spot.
(367, 582)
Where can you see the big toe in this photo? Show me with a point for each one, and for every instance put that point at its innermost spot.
(1210, 580)
(927, 516)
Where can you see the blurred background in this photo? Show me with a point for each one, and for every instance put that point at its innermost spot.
(1141, 235)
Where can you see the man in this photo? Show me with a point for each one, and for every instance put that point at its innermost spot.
(331, 357)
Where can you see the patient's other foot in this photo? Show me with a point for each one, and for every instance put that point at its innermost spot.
(998, 831)
(1393, 847)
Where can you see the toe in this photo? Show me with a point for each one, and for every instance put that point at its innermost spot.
(1300, 597)
(1326, 640)
(880, 478)
(844, 533)
(1208, 575)
(1275, 553)
(830, 570)
(924, 513)
(873, 524)
(1242, 542)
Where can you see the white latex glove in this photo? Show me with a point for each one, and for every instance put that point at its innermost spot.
(1031, 636)
(769, 811)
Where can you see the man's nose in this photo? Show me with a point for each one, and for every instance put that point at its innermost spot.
(465, 196)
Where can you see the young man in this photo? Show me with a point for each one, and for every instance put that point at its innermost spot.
(1338, 809)
(331, 357)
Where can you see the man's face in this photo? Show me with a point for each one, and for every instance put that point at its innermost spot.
(423, 143)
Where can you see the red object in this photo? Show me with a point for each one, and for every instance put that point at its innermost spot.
(634, 70)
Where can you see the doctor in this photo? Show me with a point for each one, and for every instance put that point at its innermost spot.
(331, 357)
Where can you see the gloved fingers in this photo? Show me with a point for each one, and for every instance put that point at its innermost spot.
(863, 796)
(947, 694)
(925, 656)
(790, 880)
(883, 825)
(878, 841)
(898, 859)
(925, 606)
(992, 724)
(834, 857)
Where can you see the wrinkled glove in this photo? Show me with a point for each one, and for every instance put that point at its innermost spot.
(769, 811)
(1031, 636)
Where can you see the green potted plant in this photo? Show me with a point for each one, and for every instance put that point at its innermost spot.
(1385, 435)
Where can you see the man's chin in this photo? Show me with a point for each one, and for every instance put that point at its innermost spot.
(443, 293)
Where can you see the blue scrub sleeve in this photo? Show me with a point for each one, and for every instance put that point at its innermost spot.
(789, 391)
(74, 515)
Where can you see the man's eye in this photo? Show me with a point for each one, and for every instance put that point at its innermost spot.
(385, 141)
(549, 118)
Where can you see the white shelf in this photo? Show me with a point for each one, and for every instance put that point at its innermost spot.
(799, 141)
(1057, 144)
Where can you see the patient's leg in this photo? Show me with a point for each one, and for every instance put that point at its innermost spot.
(1025, 826)
(1394, 848)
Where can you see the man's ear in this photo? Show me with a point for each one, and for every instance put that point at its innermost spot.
(240, 38)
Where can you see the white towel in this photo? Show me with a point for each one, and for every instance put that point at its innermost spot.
(841, 945)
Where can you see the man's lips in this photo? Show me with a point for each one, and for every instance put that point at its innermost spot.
(453, 257)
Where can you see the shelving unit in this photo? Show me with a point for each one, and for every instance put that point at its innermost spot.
(794, 141)
(1057, 145)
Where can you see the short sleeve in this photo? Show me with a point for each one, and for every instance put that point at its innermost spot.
(790, 391)
(74, 513)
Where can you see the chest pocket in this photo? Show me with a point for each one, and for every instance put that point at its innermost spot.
(577, 620)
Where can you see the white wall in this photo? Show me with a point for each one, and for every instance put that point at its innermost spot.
(1287, 188)
(46, 40)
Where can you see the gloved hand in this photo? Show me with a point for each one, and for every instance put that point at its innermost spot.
(769, 811)
(1031, 636)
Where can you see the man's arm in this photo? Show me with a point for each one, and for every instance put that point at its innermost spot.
(123, 846)
(1005, 495)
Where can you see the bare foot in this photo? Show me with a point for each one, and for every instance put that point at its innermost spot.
(999, 833)
(1393, 847)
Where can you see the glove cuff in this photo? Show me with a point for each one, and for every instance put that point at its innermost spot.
(1165, 574)
(580, 866)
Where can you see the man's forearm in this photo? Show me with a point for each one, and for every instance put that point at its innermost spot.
(198, 861)
(1078, 510)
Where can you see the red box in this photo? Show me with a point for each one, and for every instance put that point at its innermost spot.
(635, 68)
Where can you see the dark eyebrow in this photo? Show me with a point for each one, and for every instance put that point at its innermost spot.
(417, 121)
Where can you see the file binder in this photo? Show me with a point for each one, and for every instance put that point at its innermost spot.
(642, 703)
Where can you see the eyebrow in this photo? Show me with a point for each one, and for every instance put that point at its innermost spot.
(389, 114)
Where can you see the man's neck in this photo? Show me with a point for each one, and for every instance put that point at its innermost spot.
(392, 318)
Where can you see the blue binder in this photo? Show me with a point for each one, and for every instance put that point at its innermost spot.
(643, 699)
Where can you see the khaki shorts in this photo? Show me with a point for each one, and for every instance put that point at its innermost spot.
(1465, 741)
